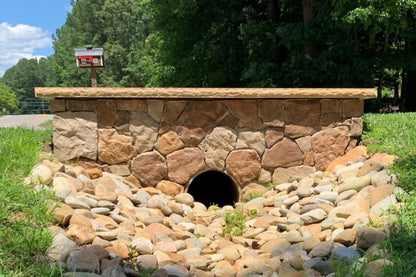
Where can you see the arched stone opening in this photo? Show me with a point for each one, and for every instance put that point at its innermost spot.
(214, 187)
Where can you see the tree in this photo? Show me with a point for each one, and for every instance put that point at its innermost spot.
(8, 100)
(24, 77)
(117, 26)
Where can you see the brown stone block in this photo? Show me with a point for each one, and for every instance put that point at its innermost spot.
(331, 106)
(272, 136)
(285, 153)
(356, 128)
(57, 105)
(272, 112)
(172, 111)
(149, 168)
(295, 131)
(81, 105)
(329, 144)
(244, 165)
(123, 122)
(106, 113)
(352, 108)
(202, 114)
(184, 164)
(246, 111)
(132, 105)
(331, 119)
(302, 117)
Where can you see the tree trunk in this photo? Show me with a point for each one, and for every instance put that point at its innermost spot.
(273, 10)
(308, 12)
(308, 18)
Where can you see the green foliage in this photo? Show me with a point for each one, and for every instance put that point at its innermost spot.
(234, 224)
(8, 100)
(270, 185)
(117, 25)
(24, 77)
(24, 215)
(252, 196)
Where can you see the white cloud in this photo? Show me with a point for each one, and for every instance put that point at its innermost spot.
(20, 41)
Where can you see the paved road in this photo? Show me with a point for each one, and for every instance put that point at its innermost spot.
(24, 120)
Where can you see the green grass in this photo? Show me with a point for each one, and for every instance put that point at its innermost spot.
(47, 124)
(24, 217)
(396, 134)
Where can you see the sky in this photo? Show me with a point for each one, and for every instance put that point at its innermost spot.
(26, 28)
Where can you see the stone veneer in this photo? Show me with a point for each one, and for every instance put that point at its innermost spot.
(252, 135)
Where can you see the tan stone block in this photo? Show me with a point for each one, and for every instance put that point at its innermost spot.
(75, 135)
(114, 148)
(352, 108)
(168, 143)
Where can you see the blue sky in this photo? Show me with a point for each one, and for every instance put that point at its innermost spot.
(26, 28)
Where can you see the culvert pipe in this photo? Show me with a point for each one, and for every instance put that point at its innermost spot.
(214, 188)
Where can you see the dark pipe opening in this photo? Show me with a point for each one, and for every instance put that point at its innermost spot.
(214, 187)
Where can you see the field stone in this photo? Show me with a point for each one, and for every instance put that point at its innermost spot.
(113, 272)
(344, 255)
(61, 247)
(383, 205)
(143, 245)
(369, 236)
(357, 183)
(84, 260)
(322, 250)
(41, 174)
(185, 198)
(313, 216)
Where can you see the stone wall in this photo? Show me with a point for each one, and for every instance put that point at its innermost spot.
(251, 140)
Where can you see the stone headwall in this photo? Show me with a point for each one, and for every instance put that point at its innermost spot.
(251, 140)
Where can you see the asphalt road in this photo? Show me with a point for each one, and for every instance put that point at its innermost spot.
(24, 120)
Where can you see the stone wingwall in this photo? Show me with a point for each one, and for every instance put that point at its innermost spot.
(251, 140)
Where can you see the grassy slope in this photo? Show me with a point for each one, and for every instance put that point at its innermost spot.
(23, 214)
(396, 134)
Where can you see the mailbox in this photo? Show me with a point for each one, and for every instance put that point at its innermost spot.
(90, 57)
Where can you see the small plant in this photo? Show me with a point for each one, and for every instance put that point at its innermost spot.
(253, 213)
(234, 224)
(270, 185)
(133, 253)
(252, 196)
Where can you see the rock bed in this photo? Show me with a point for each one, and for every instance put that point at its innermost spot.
(109, 226)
